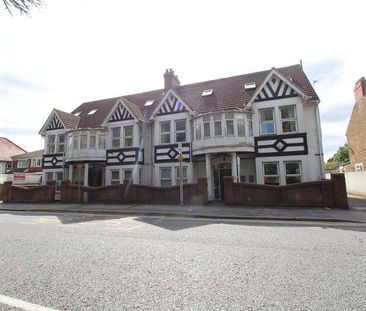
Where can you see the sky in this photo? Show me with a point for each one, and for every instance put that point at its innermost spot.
(72, 51)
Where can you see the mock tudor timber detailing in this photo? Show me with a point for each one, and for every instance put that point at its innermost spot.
(51, 161)
(55, 124)
(170, 153)
(281, 145)
(121, 114)
(125, 156)
(275, 88)
(172, 105)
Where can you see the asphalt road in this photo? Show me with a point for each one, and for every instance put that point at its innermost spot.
(69, 262)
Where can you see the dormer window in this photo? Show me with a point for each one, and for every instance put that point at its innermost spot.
(149, 102)
(250, 86)
(91, 112)
(207, 92)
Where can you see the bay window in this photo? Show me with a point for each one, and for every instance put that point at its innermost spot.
(217, 125)
(288, 119)
(92, 139)
(76, 141)
(267, 121)
(83, 140)
(241, 125)
(206, 127)
(198, 129)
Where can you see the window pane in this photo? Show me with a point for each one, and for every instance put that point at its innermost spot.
(229, 116)
(115, 175)
(180, 137)
(51, 139)
(116, 132)
(165, 138)
(267, 128)
(165, 173)
(180, 125)
(206, 129)
(287, 112)
(293, 168)
(49, 176)
(101, 143)
(250, 124)
(128, 142)
(270, 169)
(83, 141)
(266, 115)
(166, 182)
(128, 174)
(165, 127)
(128, 131)
(198, 131)
(76, 141)
(241, 127)
(288, 126)
(93, 140)
(271, 180)
(229, 127)
(218, 128)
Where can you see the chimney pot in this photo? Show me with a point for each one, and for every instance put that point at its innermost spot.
(170, 80)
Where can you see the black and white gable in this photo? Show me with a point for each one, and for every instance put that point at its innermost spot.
(276, 87)
(121, 113)
(171, 104)
(55, 123)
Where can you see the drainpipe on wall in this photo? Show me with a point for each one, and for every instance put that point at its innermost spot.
(320, 144)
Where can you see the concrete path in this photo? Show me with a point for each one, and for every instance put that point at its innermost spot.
(356, 213)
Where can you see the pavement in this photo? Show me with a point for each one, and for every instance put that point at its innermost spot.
(356, 212)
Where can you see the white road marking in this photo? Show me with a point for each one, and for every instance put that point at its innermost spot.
(124, 229)
(24, 305)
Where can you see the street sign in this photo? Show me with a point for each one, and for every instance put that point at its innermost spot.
(180, 158)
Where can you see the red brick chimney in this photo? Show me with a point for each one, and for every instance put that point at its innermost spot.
(360, 89)
(170, 80)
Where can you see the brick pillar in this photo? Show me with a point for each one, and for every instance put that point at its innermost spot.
(65, 191)
(8, 191)
(229, 190)
(202, 190)
(339, 191)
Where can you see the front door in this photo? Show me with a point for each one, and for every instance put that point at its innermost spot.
(223, 169)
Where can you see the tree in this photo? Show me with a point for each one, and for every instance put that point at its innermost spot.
(340, 157)
(23, 6)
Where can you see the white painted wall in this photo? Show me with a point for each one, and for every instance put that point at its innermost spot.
(356, 183)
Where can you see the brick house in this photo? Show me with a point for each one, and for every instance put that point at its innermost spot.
(27, 167)
(7, 150)
(261, 127)
(356, 130)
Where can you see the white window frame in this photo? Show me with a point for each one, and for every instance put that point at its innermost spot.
(124, 173)
(59, 143)
(115, 181)
(37, 162)
(229, 117)
(22, 161)
(206, 124)
(359, 167)
(83, 137)
(166, 132)
(249, 118)
(116, 139)
(51, 144)
(127, 137)
(92, 134)
(180, 131)
(102, 139)
(240, 122)
(292, 175)
(198, 129)
(273, 121)
(217, 119)
(165, 178)
(294, 119)
(271, 175)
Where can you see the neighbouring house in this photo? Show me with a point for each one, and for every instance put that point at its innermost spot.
(356, 130)
(261, 127)
(7, 150)
(27, 167)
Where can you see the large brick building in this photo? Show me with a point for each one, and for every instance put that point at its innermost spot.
(261, 127)
(356, 131)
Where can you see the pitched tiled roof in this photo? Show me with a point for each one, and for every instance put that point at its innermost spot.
(8, 149)
(29, 155)
(68, 119)
(228, 94)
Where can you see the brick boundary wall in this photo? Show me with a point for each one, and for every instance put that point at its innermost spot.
(194, 193)
(38, 194)
(326, 193)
